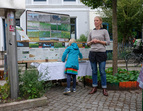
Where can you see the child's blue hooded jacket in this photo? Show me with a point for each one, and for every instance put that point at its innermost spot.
(73, 53)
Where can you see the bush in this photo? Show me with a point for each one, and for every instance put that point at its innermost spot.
(5, 91)
(29, 86)
(83, 38)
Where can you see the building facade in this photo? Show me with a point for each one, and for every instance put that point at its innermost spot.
(81, 16)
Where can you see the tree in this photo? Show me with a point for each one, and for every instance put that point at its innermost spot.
(130, 14)
(112, 4)
(129, 17)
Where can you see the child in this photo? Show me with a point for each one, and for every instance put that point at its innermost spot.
(72, 64)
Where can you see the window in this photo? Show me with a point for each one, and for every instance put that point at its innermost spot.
(17, 22)
(69, 0)
(39, 0)
(73, 27)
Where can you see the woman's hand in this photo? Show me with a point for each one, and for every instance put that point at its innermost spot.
(95, 41)
(98, 41)
(89, 43)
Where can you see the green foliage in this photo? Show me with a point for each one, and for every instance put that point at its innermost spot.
(122, 75)
(97, 3)
(109, 56)
(83, 38)
(129, 17)
(80, 78)
(29, 86)
(5, 91)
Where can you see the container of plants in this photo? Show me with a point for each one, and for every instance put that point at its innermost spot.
(112, 86)
(88, 80)
(128, 85)
(112, 82)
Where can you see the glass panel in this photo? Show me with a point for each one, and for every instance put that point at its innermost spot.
(17, 22)
(73, 27)
(73, 32)
(73, 20)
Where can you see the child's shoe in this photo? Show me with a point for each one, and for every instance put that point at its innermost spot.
(74, 90)
(67, 90)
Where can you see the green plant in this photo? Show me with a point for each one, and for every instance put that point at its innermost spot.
(80, 78)
(83, 38)
(121, 76)
(109, 56)
(29, 86)
(5, 91)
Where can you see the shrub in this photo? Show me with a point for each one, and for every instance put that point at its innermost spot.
(29, 86)
(82, 38)
(5, 91)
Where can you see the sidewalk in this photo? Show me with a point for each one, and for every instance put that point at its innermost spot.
(130, 100)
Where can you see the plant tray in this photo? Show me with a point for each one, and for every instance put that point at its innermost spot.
(112, 86)
(128, 85)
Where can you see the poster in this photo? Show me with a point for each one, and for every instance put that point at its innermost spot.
(49, 34)
(42, 26)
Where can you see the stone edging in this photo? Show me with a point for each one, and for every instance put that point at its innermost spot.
(14, 106)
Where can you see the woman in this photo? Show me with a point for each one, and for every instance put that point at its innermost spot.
(98, 39)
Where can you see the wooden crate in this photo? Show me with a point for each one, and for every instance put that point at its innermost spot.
(1, 74)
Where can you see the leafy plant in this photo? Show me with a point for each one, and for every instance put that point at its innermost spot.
(109, 55)
(5, 91)
(83, 38)
(29, 86)
(80, 78)
(122, 75)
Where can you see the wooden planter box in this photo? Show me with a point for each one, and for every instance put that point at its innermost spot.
(88, 81)
(112, 86)
(116, 86)
(128, 85)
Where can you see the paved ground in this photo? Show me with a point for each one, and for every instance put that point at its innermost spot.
(130, 100)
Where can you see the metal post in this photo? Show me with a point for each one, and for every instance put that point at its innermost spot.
(11, 48)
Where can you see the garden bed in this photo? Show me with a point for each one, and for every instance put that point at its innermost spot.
(123, 80)
(116, 86)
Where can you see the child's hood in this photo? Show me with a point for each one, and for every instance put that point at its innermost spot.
(74, 46)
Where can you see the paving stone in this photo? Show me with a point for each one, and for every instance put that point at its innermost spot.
(82, 101)
(105, 109)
